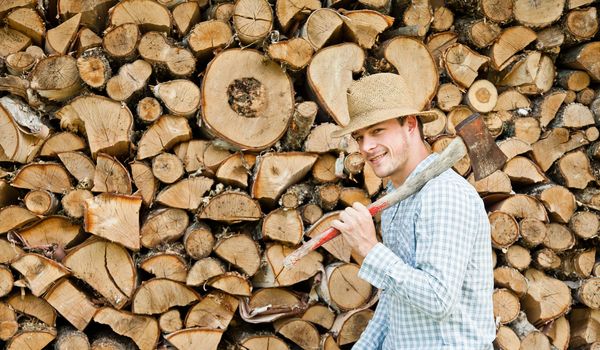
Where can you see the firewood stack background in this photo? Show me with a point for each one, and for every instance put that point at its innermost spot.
(159, 159)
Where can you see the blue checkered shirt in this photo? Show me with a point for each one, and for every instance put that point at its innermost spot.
(434, 269)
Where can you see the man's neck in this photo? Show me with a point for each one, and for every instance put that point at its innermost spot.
(413, 161)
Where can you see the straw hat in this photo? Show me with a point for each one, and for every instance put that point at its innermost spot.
(377, 98)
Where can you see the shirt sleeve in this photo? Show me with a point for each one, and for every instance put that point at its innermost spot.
(445, 230)
(376, 331)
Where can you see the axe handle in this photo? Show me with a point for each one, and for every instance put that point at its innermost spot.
(455, 151)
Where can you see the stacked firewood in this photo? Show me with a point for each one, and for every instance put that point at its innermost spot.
(160, 158)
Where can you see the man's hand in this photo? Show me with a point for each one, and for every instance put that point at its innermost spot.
(356, 224)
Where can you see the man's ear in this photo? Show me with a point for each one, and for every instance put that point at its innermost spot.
(411, 122)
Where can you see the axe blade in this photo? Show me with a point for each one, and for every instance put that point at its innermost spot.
(486, 157)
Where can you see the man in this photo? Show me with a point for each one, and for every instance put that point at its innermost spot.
(435, 265)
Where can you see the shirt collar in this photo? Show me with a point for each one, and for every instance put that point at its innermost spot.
(419, 168)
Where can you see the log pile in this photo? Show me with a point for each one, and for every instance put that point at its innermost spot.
(159, 159)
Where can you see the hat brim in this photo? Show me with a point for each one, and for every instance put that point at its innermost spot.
(378, 116)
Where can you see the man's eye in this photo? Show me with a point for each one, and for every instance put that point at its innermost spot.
(358, 138)
(377, 131)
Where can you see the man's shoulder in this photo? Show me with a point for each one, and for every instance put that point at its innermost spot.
(451, 184)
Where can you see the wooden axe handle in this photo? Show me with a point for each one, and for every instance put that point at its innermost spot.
(455, 151)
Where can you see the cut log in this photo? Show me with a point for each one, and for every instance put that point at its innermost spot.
(87, 39)
(106, 267)
(31, 305)
(31, 339)
(284, 226)
(163, 134)
(149, 110)
(144, 180)
(527, 129)
(170, 321)
(290, 13)
(215, 311)
(257, 342)
(203, 270)
(165, 265)
(322, 27)
(252, 20)
(70, 338)
(240, 98)
(131, 80)
(62, 142)
(462, 63)
(558, 237)
(508, 43)
(482, 96)
(530, 73)
(39, 272)
(60, 38)
(547, 259)
(574, 170)
(41, 202)
(6, 280)
(53, 231)
(589, 293)
(585, 224)
(580, 25)
(27, 21)
(185, 15)
(221, 12)
(181, 97)
(147, 14)
(198, 240)
(320, 140)
(530, 336)
(584, 323)
(232, 283)
(297, 194)
(363, 26)
(114, 217)
(209, 36)
(547, 107)
(538, 15)
(477, 32)
(108, 125)
(586, 96)
(188, 339)
(506, 339)
(13, 41)
(273, 274)
(178, 62)
(506, 306)
(320, 315)
(300, 332)
(349, 326)
(547, 298)
(438, 43)
(120, 42)
(163, 225)
(341, 287)
(448, 96)
(231, 207)
(8, 322)
(338, 247)
(241, 251)
(559, 333)
(158, 295)
(583, 57)
(498, 182)
(143, 330)
(505, 230)
(43, 176)
(511, 99)
(575, 80)
(437, 127)
(13, 217)
(235, 169)
(311, 213)
(275, 172)
(111, 176)
(71, 303)
(518, 257)
(512, 279)
(574, 115)
(167, 168)
(327, 196)
(19, 63)
(295, 53)
(522, 170)
(578, 263)
(554, 145)
(512, 147)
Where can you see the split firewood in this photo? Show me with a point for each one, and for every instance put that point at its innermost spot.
(163, 134)
(512, 279)
(189, 338)
(323, 26)
(554, 145)
(526, 129)
(558, 237)
(295, 53)
(86, 39)
(232, 283)
(167, 168)
(62, 142)
(559, 333)
(130, 80)
(155, 49)
(106, 267)
(19, 63)
(73, 203)
(186, 193)
(14, 216)
(508, 43)
(170, 321)
(461, 64)
(478, 32)
(6, 281)
(13, 41)
(348, 326)
(516, 73)
(114, 217)
(147, 14)
(52, 231)
(120, 42)
(522, 170)
(17, 145)
(60, 38)
(31, 338)
(539, 308)
(585, 224)
(163, 225)
(31, 305)
(143, 330)
(221, 12)
(208, 37)
(581, 57)
(512, 99)
(203, 270)
(512, 147)
(198, 240)
(215, 311)
(547, 107)
(270, 304)
(231, 207)
(437, 44)
(71, 303)
(574, 170)
(530, 336)
(257, 342)
(506, 339)
(8, 322)
(537, 15)
(235, 169)
(272, 273)
(338, 247)
(144, 180)
(39, 272)
(463, 166)
(185, 15)
(320, 140)
(300, 332)
(448, 96)
(311, 213)
(240, 250)
(582, 332)
(8, 194)
(587, 292)
(498, 182)
(165, 265)
(518, 257)
(283, 225)
(29, 22)
(363, 26)
(240, 97)
(578, 263)
(158, 295)
(181, 97)
(111, 176)
(252, 20)
(436, 127)
(546, 259)
(290, 13)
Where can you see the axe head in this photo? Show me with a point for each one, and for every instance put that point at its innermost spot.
(485, 155)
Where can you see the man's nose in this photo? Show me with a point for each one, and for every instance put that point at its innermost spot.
(367, 144)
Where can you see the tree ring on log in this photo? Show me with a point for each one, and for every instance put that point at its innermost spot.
(246, 96)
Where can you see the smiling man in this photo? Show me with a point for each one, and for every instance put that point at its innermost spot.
(434, 266)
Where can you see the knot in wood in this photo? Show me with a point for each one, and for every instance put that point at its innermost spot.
(247, 97)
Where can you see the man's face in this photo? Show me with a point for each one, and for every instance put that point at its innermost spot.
(385, 146)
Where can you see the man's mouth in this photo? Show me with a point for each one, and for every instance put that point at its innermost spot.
(377, 158)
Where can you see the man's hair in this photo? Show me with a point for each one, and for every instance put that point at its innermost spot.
(402, 120)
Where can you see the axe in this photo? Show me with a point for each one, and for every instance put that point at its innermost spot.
(474, 140)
